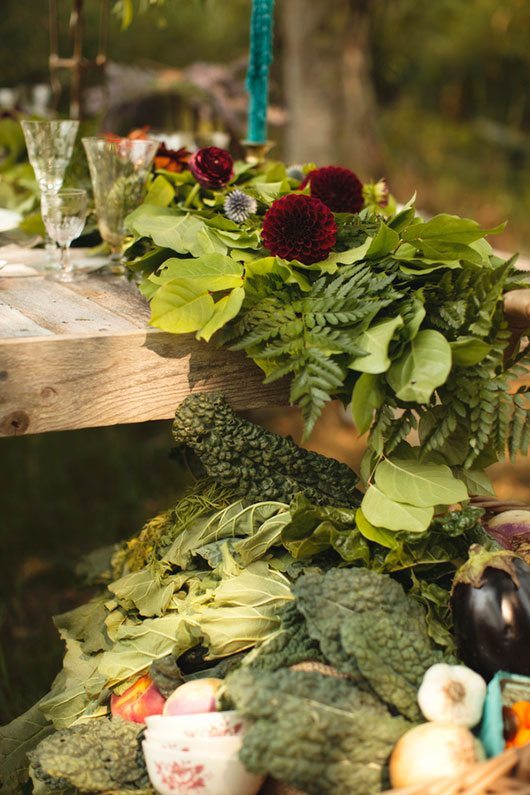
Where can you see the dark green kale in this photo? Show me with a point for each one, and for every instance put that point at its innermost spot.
(292, 644)
(317, 733)
(96, 756)
(257, 464)
(368, 628)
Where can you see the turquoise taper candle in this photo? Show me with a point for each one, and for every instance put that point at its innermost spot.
(260, 59)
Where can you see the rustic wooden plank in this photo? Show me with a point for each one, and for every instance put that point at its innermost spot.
(55, 307)
(77, 382)
(117, 295)
(14, 324)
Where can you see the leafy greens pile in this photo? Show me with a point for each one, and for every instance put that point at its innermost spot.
(310, 729)
(404, 319)
(207, 580)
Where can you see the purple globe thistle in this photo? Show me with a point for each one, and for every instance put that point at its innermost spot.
(239, 206)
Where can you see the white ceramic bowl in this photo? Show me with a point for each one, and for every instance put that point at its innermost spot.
(172, 773)
(207, 724)
(197, 745)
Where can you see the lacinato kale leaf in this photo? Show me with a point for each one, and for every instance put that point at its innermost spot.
(368, 628)
(318, 733)
(257, 464)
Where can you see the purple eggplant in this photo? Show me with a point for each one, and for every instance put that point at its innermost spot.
(490, 602)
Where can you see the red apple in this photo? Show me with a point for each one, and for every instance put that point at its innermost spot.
(193, 697)
(138, 701)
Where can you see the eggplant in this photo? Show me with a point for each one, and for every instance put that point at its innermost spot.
(490, 603)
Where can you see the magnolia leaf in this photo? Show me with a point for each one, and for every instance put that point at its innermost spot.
(382, 511)
(423, 367)
(419, 484)
(376, 534)
(468, 351)
(144, 590)
(180, 306)
(375, 341)
(449, 228)
(161, 192)
(224, 310)
(368, 395)
(16, 740)
(476, 481)
(385, 241)
(210, 272)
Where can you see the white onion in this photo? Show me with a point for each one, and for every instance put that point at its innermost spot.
(433, 750)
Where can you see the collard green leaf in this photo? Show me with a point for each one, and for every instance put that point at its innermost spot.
(86, 624)
(138, 645)
(423, 367)
(418, 483)
(146, 590)
(382, 511)
(375, 341)
(368, 395)
(16, 739)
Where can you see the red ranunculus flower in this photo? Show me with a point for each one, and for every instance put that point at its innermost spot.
(175, 160)
(339, 188)
(212, 167)
(299, 227)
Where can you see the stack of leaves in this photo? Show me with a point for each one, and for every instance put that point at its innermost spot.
(403, 318)
(310, 730)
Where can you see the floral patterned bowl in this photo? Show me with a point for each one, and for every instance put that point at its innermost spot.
(174, 773)
(212, 745)
(207, 724)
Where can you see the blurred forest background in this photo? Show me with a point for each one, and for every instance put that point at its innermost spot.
(432, 95)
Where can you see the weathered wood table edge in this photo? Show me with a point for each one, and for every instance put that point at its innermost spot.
(82, 355)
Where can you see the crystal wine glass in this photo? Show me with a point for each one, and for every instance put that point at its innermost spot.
(64, 215)
(50, 145)
(119, 168)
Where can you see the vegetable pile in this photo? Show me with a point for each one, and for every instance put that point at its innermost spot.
(267, 562)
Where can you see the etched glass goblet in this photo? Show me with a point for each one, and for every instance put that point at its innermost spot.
(64, 215)
(50, 145)
(119, 168)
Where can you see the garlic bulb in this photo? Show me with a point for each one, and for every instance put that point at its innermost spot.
(431, 751)
(452, 693)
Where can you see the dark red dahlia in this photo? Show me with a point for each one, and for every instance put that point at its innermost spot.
(212, 167)
(339, 188)
(299, 227)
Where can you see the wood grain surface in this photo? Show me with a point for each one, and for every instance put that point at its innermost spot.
(82, 355)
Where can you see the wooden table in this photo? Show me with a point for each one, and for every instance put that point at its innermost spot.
(82, 355)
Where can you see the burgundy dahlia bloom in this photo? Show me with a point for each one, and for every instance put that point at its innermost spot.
(212, 167)
(339, 188)
(299, 227)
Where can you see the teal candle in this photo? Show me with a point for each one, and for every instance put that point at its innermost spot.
(260, 59)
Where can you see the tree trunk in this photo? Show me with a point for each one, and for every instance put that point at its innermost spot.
(328, 89)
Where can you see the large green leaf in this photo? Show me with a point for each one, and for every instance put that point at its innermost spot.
(468, 351)
(226, 309)
(145, 590)
(211, 272)
(384, 243)
(368, 395)
(447, 228)
(170, 228)
(379, 535)
(161, 192)
(382, 511)
(16, 739)
(422, 368)
(86, 624)
(419, 484)
(375, 341)
(181, 306)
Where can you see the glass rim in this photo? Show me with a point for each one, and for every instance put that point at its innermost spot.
(66, 192)
(42, 122)
(110, 138)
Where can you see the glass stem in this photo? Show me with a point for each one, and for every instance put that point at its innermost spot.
(66, 261)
